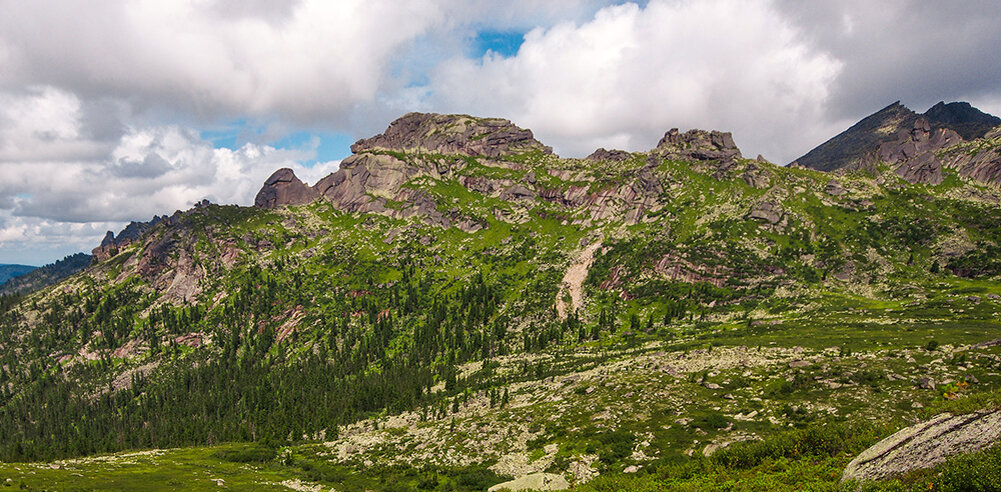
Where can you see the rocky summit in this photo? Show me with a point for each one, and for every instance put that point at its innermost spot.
(452, 134)
(459, 308)
(887, 131)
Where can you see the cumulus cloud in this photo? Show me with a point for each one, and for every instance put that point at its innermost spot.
(630, 73)
(53, 196)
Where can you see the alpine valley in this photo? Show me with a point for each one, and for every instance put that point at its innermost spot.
(459, 308)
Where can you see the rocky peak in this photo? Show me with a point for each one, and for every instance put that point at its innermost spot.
(699, 145)
(452, 134)
(964, 119)
(111, 243)
(284, 188)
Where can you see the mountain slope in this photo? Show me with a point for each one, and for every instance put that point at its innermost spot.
(458, 291)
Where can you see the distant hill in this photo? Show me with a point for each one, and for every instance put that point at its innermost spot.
(37, 278)
(8, 272)
(863, 139)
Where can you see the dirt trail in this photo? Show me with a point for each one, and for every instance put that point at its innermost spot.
(573, 281)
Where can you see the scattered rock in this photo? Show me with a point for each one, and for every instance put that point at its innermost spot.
(797, 364)
(926, 383)
(712, 386)
(925, 445)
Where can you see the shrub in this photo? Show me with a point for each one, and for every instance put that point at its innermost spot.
(712, 421)
(973, 472)
(253, 453)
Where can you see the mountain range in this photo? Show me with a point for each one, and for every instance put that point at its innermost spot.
(8, 272)
(458, 307)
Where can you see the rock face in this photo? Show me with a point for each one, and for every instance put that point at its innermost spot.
(914, 152)
(698, 145)
(284, 188)
(862, 141)
(981, 163)
(535, 481)
(925, 445)
(452, 134)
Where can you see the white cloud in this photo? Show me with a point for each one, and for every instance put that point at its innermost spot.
(50, 199)
(631, 73)
(312, 61)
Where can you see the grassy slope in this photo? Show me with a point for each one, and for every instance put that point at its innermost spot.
(882, 315)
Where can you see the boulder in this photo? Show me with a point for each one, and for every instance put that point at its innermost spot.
(834, 188)
(767, 211)
(535, 481)
(925, 445)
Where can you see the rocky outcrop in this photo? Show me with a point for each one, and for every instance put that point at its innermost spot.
(284, 188)
(375, 179)
(768, 211)
(112, 244)
(835, 188)
(168, 261)
(535, 481)
(452, 134)
(609, 155)
(980, 161)
(925, 445)
(913, 153)
(697, 145)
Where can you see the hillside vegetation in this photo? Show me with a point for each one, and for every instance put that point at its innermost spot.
(458, 306)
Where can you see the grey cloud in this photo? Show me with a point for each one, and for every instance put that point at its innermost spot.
(909, 50)
(151, 166)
